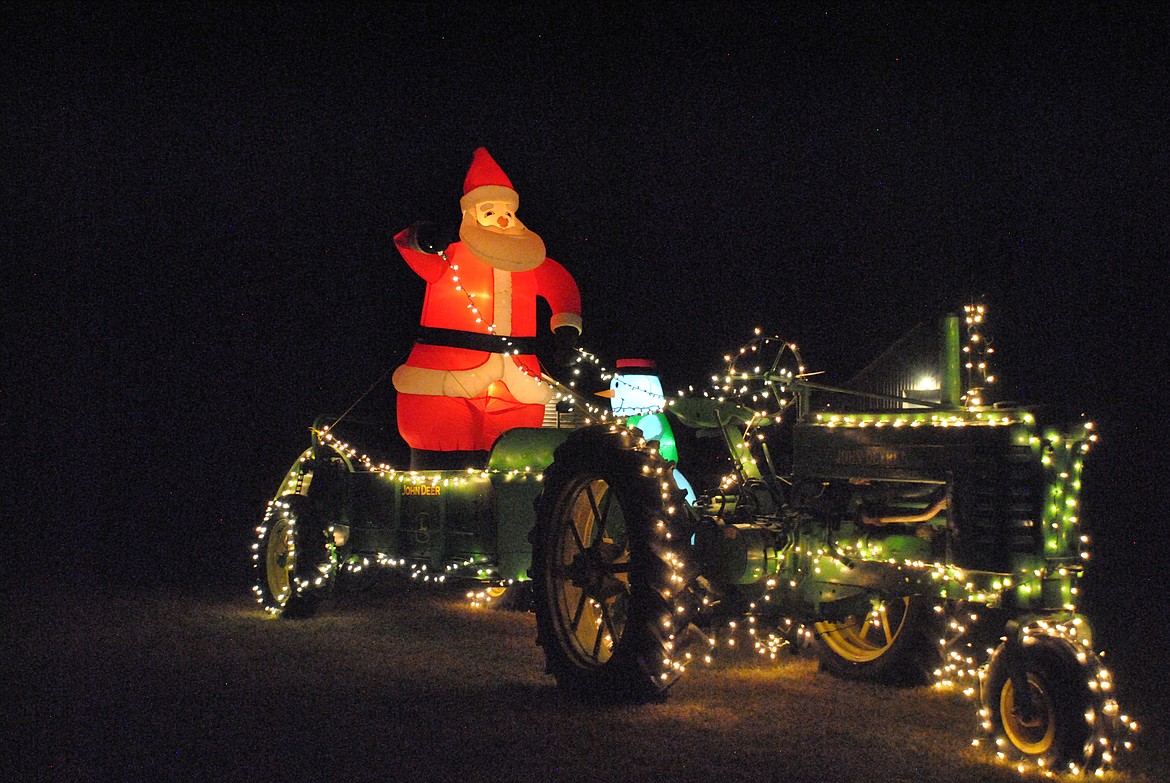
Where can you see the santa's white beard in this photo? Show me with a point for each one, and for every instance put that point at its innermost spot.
(510, 252)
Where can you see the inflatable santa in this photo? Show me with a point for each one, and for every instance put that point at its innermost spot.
(473, 372)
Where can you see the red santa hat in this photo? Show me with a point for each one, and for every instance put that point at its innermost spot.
(486, 181)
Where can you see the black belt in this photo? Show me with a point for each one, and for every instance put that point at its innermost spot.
(475, 341)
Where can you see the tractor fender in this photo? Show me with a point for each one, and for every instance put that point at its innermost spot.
(516, 466)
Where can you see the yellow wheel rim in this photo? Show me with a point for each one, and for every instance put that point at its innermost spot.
(591, 573)
(281, 559)
(1032, 735)
(861, 639)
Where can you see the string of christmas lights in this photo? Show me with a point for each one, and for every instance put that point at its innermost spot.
(492, 329)
(977, 352)
(766, 385)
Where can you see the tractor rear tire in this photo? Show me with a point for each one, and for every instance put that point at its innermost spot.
(608, 586)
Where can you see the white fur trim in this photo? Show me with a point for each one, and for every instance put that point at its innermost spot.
(489, 193)
(566, 319)
(502, 301)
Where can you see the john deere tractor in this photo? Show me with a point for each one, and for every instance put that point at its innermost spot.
(903, 534)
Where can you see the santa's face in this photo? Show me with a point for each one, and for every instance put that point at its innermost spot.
(494, 235)
(498, 216)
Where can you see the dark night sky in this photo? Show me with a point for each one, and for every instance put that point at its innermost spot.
(201, 199)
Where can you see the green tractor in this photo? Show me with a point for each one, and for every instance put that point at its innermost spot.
(904, 535)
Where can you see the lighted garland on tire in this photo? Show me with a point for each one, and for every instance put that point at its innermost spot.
(895, 643)
(609, 590)
(294, 557)
(1067, 721)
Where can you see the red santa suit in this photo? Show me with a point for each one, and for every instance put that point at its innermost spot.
(473, 374)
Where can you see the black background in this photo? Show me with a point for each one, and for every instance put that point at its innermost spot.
(201, 199)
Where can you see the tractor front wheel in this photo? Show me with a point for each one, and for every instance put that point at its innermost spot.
(1049, 706)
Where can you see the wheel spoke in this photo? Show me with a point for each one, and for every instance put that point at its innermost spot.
(598, 516)
(607, 616)
(576, 536)
(600, 633)
(579, 612)
(863, 629)
(606, 501)
(889, 634)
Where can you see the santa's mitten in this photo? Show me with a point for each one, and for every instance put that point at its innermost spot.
(430, 237)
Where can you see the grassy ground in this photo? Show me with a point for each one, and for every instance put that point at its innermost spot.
(414, 685)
